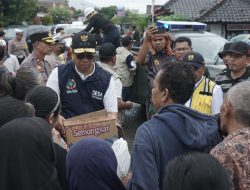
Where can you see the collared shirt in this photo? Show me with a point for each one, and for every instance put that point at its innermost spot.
(234, 153)
(43, 67)
(12, 64)
(18, 48)
(155, 63)
(217, 98)
(53, 60)
(225, 80)
(109, 97)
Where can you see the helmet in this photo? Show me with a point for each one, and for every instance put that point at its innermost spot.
(88, 11)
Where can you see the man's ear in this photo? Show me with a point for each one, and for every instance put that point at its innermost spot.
(165, 95)
(248, 60)
(228, 109)
(51, 118)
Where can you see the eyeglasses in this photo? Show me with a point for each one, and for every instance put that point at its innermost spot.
(84, 55)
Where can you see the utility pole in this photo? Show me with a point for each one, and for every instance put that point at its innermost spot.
(153, 11)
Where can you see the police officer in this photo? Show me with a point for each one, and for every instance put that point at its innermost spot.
(42, 42)
(82, 84)
(207, 96)
(98, 24)
(18, 46)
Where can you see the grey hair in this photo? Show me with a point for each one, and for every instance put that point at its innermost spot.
(239, 98)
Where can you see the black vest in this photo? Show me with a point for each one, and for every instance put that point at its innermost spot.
(81, 96)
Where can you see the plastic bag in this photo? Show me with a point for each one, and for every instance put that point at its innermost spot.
(120, 147)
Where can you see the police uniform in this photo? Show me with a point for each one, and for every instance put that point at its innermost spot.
(83, 94)
(18, 48)
(31, 61)
(207, 96)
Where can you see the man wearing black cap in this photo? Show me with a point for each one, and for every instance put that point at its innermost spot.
(207, 96)
(224, 55)
(125, 65)
(42, 42)
(82, 84)
(238, 58)
(155, 52)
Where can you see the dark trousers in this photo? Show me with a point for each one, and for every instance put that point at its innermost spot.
(112, 36)
(125, 93)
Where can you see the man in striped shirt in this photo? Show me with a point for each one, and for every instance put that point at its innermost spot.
(239, 56)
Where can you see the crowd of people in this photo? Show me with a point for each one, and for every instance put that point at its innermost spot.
(197, 136)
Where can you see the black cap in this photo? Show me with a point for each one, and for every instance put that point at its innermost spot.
(225, 48)
(2, 33)
(43, 36)
(126, 40)
(240, 47)
(194, 58)
(83, 42)
(107, 50)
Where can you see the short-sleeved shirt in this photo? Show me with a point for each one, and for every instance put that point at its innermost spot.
(11, 63)
(234, 154)
(110, 99)
(225, 80)
(18, 48)
(43, 67)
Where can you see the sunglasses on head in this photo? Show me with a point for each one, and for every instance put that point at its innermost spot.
(84, 55)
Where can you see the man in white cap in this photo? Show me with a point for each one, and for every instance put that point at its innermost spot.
(98, 24)
(18, 46)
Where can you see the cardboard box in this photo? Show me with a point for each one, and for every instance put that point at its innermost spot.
(95, 124)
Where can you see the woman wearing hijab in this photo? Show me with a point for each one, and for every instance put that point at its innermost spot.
(12, 108)
(92, 165)
(47, 106)
(27, 158)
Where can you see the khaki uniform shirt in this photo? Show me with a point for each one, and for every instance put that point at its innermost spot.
(43, 66)
(121, 67)
(18, 48)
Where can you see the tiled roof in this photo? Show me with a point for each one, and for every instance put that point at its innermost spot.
(229, 11)
(190, 8)
(212, 10)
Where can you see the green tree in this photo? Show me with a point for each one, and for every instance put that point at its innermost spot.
(17, 11)
(130, 19)
(108, 12)
(60, 15)
(47, 20)
(174, 17)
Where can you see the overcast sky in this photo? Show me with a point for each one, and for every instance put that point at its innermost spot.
(129, 4)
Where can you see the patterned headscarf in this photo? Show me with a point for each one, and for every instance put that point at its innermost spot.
(168, 49)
